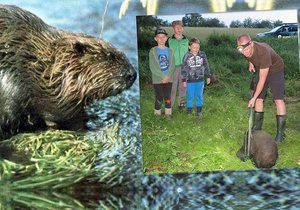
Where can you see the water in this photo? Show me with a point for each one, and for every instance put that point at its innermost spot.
(215, 190)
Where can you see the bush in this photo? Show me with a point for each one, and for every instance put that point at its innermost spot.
(144, 70)
(225, 56)
(292, 87)
(146, 38)
(216, 39)
(287, 49)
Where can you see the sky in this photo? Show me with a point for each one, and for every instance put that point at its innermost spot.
(286, 16)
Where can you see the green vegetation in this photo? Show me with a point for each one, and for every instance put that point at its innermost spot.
(204, 32)
(219, 45)
(58, 169)
(59, 158)
(56, 161)
(186, 144)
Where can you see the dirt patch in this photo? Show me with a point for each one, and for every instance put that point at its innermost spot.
(292, 99)
(155, 167)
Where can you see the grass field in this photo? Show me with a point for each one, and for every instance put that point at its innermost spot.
(204, 32)
(186, 144)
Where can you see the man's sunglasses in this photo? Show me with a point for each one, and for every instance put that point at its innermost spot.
(240, 48)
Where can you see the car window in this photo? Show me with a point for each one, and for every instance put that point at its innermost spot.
(293, 28)
(275, 29)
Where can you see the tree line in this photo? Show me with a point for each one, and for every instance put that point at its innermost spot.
(249, 23)
(196, 20)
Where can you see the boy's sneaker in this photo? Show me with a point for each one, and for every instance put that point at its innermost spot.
(199, 115)
(189, 112)
(168, 116)
(199, 112)
(157, 116)
(180, 108)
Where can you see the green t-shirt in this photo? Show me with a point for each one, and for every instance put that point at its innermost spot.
(180, 47)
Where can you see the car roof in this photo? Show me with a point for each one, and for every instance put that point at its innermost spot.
(288, 24)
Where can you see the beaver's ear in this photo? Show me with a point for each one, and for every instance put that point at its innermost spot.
(79, 48)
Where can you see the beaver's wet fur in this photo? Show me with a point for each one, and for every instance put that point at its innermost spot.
(263, 149)
(48, 76)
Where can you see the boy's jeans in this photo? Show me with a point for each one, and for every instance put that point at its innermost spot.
(162, 92)
(194, 89)
(177, 81)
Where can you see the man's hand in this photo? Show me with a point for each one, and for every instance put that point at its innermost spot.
(184, 84)
(251, 103)
(251, 68)
(263, 73)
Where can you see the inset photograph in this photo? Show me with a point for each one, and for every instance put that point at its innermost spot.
(219, 91)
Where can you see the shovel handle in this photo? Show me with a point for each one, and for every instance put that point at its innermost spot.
(249, 131)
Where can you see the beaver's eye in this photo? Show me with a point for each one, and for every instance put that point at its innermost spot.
(79, 48)
(111, 56)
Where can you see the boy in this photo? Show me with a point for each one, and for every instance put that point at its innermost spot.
(180, 45)
(161, 63)
(195, 67)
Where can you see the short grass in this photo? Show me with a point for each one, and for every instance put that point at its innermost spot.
(186, 144)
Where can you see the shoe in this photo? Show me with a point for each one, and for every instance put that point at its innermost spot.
(258, 120)
(199, 112)
(280, 136)
(168, 117)
(180, 108)
(168, 113)
(157, 114)
(200, 115)
(189, 111)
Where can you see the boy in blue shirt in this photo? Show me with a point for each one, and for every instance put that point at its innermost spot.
(162, 65)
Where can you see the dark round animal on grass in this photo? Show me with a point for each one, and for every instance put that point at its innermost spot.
(263, 149)
(48, 76)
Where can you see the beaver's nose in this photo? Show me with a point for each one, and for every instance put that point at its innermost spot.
(130, 77)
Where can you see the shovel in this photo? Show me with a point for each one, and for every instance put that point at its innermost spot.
(249, 133)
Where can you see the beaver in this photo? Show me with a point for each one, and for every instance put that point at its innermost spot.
(48, 76)
(263, 149)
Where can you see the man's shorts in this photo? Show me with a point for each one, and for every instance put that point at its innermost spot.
(276, 82)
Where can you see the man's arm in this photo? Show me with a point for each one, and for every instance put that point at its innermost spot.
(251, 67)
(263, 73)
